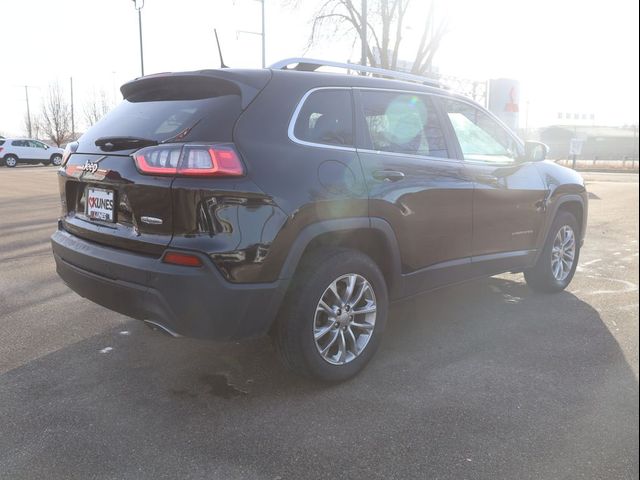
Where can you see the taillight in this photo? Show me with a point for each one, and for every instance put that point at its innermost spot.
(1, 148)
(219, 160)
(158, 160)
(184, 259)
(72, 147)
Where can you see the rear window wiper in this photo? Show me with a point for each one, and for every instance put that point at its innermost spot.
(181, 135)
(109, 144)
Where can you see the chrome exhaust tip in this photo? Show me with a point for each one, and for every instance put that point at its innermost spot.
(158, 327)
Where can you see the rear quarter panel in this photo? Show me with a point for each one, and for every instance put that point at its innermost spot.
(308, 183)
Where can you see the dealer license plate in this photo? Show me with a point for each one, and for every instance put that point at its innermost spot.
(100, 204)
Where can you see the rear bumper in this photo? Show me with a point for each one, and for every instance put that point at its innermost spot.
(193, 302)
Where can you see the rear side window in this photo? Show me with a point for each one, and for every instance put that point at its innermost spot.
(19, 143)
(1, 142)
(326, 118)
(403, 123)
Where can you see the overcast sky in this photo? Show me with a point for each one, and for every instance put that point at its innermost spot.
(570, 56)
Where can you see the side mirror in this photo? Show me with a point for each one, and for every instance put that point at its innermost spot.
(535, 151)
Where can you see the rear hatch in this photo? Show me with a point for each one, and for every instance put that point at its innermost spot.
(106, 197)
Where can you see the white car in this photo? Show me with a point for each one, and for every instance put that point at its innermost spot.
(27, 150)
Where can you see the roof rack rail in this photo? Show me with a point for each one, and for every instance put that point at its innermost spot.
(311, 65)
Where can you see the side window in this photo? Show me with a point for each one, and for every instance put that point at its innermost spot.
(403, 123)
(327, 118)
(19, 143)
(34, 144)
(481, 138)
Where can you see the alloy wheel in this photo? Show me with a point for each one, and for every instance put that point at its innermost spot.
(563, 253)
(344, 319)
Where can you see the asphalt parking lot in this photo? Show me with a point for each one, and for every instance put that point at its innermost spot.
(481, 381)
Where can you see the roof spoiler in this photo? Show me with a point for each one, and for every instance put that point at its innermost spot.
(197, 85)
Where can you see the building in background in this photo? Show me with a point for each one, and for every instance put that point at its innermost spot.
(599, 143)
(576, 118)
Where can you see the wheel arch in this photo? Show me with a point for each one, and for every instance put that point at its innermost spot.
(574, 204)
(372, 236)
(576, 208)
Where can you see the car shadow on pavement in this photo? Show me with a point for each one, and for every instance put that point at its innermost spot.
(483, 380)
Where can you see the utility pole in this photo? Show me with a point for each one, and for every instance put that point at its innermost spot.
(139, 8)
(113, 85)
(26, 95)
(526, 123)
(73, 122)
(264, 63)
(635, 146)
(363, 17)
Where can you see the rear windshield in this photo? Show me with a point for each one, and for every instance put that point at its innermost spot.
(1, 142)
(208, 119)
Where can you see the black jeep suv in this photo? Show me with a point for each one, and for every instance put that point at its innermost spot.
(228, 204)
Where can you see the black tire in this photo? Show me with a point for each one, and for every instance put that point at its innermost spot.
(294, 329)
(540, 277)
(55, 160)
(10, 161)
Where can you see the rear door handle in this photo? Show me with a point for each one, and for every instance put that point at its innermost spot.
(388, 175)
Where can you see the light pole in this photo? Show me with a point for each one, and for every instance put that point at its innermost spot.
(261, 33)
(139, 5)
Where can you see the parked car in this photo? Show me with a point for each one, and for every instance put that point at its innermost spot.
(228, 204)
(26, 150)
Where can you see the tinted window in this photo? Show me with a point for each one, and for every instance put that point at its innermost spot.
(208, 119)
(19, 143)
(326, 117)
(481, 138)
(1, 142)
(403, 123)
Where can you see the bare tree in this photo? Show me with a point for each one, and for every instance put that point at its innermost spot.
(96, 107)
(385, 25)
(55, 120)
